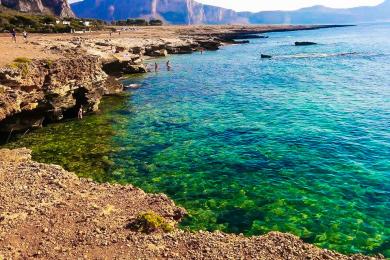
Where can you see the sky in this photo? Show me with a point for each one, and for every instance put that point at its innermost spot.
(263, 5)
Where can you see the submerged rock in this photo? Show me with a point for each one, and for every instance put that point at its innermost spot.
(265, 56)
(304, 43)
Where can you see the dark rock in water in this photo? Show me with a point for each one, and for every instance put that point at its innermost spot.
(241, 42)
(264, 56)
(304, 43)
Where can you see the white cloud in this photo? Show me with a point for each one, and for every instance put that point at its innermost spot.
(261, 5)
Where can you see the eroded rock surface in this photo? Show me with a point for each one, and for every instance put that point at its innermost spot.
(32, 92)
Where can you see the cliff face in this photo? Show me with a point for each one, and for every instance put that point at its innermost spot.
(192, 12)
(171, 11)
(32, 93)
(55, 7)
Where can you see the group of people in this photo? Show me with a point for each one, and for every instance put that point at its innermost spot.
(13, 35)
(157, 66)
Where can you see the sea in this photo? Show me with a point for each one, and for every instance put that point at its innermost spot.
(298, 143)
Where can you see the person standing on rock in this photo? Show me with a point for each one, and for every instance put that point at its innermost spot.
(13, 35)
(80, 113)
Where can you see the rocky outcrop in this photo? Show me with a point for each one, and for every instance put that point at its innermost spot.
(118, 68)
(41, 91)
(49, 213)
(56, 7)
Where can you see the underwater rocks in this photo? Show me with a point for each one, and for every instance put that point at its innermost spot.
(40, 91)
(265, 56)
(49, 213)
(304, 43)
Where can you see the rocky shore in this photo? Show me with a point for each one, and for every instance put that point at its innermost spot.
(49, 213)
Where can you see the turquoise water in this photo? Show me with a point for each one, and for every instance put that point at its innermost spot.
(299, 143)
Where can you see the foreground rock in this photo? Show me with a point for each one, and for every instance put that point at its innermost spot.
(49, 213)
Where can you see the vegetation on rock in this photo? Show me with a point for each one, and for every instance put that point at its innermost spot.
(149, 222)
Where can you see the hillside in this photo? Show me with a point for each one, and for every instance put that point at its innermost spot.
(52, 7)
(322, 14)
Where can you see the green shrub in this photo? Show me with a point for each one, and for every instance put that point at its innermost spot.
(155, 22)
(22, 60)
(21, 63)
(149, 222)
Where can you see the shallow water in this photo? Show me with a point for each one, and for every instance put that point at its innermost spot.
(299, 143)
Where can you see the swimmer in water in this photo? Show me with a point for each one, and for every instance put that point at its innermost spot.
(168, 66)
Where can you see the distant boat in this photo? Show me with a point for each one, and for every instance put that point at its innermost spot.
(264, 56)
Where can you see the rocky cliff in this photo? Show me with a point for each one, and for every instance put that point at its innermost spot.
(55, 7)
(40, 91)
(171, 11)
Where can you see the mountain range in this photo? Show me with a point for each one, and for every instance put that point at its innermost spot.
(192, 12)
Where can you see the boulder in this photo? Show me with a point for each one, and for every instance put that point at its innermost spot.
(137, 50)
(153, 52)
(209, 44)
(118, 68)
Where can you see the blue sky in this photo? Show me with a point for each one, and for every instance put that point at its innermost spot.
(260, 5)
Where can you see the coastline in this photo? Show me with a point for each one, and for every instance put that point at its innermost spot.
(49, 213)
(276, 245)
(79, 69)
